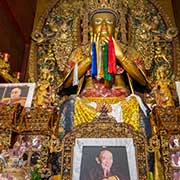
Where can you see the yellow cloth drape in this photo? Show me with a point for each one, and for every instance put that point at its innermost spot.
(84, 113)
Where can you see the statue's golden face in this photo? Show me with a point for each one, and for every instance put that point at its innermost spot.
(104, 23)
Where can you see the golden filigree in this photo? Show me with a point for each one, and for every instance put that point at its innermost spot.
(54, 145)
(166, 117)
(39, 119)
(154, 143)
(9, 117)
(167, 123)
(5, 138)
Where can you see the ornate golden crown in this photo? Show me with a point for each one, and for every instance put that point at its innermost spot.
(96, 6)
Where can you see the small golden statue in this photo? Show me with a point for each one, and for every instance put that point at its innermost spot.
(162, 92)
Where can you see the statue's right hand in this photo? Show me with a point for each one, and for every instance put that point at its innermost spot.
(100, 38)
(95, 38)
(118, 50)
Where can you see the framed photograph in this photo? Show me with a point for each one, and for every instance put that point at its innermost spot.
(15, 93)
(100, 158)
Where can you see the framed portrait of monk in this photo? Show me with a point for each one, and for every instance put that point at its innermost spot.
(17, 93)
(104, 158)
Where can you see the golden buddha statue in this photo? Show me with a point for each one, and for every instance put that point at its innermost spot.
(101, 75)
(101, 78)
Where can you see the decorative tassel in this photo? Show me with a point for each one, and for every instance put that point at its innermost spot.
(93, 64)
(99, 63)
(75, 75)
(107, 76)
(111, 57)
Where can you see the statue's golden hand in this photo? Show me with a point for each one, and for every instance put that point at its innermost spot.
(118, 50)
(104, 39)
(127, 64)
(96, 38)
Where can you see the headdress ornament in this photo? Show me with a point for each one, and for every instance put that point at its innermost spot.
(101, 6)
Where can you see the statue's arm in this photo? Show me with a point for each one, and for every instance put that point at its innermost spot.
(132, 69)
(128, 63)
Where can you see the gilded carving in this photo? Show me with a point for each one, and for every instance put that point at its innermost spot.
(165, 142)
(41, 120)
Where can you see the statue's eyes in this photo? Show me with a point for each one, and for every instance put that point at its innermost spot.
(98, 21)
(109, 21)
